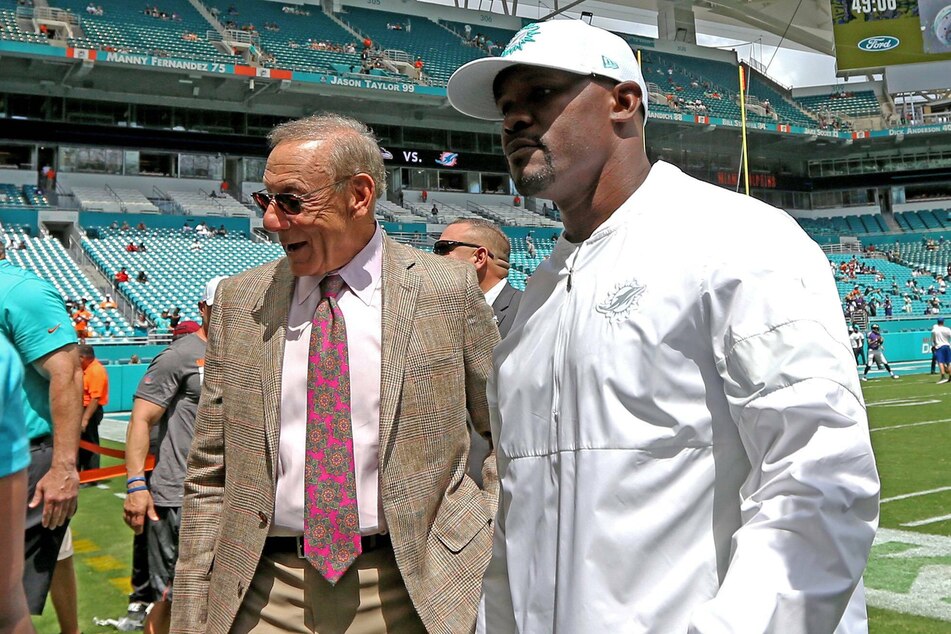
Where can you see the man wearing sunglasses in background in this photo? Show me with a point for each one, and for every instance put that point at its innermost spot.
(486, 247)
(483, 244)
(326, 487)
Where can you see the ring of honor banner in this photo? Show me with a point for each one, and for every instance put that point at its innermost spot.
(879, 33)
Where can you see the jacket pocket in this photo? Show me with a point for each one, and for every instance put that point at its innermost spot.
(461, 516)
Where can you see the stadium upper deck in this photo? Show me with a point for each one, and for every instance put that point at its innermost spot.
(307, 40)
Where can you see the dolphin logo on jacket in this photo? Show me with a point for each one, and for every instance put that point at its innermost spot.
(622, 300)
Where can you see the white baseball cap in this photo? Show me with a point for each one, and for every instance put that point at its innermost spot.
(569, 45)
(211, 287)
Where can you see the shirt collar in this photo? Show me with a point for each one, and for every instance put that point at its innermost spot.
(493, 293)
(362, 274)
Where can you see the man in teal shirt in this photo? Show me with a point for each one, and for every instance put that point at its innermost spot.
(14, 460)
(34, 319)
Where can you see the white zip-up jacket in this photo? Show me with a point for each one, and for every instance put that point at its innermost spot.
(681, 437)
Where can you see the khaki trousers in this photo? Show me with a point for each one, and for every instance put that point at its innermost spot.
(288, 595)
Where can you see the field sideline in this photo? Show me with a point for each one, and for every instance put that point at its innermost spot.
(909, 575)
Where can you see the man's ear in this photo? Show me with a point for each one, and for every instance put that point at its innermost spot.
(628, 100)
(362, 190)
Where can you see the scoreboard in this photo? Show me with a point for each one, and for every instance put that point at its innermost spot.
(871, 34)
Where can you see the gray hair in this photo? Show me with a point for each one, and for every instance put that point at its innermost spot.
(353, 147)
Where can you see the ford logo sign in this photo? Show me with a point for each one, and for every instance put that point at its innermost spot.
(878, 43)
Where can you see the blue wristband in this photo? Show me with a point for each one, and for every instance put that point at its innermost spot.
(135, 479)
(134, 489)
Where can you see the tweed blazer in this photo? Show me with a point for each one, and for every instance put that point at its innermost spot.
(437, 341)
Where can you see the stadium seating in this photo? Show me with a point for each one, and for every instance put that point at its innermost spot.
(176, 273)
(299, 30)
(109, 199)
(11, 196)
(441, 50)
(201, 204)
(125, 27)
(819, 228)
(35, 196)
(47, 258)
(897, 274)
(499, 36)
(862, 103)
(785, 107)
(10, 28)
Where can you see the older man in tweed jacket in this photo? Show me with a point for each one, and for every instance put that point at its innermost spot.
(418, 343)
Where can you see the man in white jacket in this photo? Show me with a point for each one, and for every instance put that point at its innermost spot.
(681, 437)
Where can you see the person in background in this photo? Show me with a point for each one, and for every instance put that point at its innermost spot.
(857, 339)
(876, 352)
(14, 461)
(482, 244)
(167, 399)
(33, 318)
(683, 447)
(941, 344)
(95, 397)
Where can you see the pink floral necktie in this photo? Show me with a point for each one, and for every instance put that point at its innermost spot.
(331, 520)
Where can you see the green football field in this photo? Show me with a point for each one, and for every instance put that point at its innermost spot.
(909, 574)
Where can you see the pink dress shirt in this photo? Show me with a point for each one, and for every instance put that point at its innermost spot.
(361, 302)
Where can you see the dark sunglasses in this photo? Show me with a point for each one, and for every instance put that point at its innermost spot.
(290, 204)
(444, 247)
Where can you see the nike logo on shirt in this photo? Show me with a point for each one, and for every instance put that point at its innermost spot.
(53, 329)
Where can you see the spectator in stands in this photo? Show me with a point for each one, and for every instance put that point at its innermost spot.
(140, 226)
(14, 463)
(204, 231)
(109, 330)
(174, 318)
(468, 31)
(142, 278)
(134, 360)
(167, 399)
(435, 211)
(221, 231)
(115, 225)
(907, 307)
(163, 322)
(131, 247)
(125, 226)
(888, 307)
(715, 322)
(142, 248)
(108, 303)
(140, 327)
(196, 245)
(81, 321)
(95, 397)
(121, 276)
(187, 226)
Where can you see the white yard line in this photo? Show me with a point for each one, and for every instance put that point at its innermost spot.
(914, 495)
(930, 520)
(927, 422)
